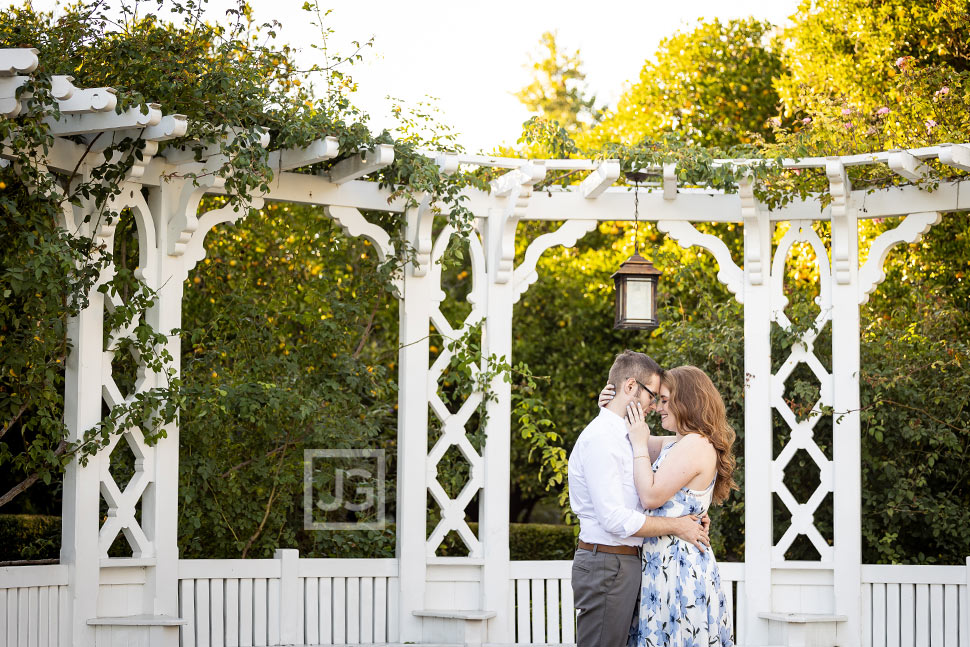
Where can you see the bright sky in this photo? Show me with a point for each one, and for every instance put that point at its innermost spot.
(473, 56)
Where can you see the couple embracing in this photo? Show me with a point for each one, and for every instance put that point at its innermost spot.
(642, 502)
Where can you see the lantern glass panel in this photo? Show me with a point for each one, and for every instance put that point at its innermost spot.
(639, 299)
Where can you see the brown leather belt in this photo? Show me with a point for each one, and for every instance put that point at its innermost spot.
(615, 550)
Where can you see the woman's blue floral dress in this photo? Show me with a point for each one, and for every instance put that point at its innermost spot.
(681, 600)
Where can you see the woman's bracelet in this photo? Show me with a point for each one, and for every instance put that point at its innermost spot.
(642, 456)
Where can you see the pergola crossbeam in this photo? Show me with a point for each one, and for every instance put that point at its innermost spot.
(601, 179)
(291, 158)
(363, 163)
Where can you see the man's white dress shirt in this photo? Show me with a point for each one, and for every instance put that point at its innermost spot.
(602, 493)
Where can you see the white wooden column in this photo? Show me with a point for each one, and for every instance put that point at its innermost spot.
(757, 418)
(846, 441)
(81, 497)
(160, 502)
(412, 494)
(494, 527)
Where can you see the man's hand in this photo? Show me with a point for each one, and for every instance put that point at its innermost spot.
(692, 530)
(706, 522)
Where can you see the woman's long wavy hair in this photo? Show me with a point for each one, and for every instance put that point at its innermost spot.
(699, 409)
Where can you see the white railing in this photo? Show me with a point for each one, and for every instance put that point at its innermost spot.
(287, 600)
(541, 600)
(33, 606)
(915, 605)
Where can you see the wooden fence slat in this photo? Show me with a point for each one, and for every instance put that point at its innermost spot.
(568, 613)
(923, 614)
(522, 633)
(353, 610)
(740, 602)
(64, 636)
(380, 610)
(246, 601)
(538, 611)
(936, 615)
(259, 612)
(3, 619)
(339, 610)
(965, 616)
(552, 611)
(217, 614)
(393, 609)
(22, 622)
(53, 620)
(273, 611)
(202, 613)
(867, 615)
(311, 596)
(232, 612)
(879, 615)
(326, 611)
(366, 610)
(950, 616)
(43, 615)
(892, 615)
(907, 614)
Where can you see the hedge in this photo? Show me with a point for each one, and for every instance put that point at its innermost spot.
(24, 536)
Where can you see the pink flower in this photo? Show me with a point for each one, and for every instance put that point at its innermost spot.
(942, 92)
(930, 124)
(776, 122)
(902, 61)
(849, 125)
(807, 120)
(882, 111)
(846, 111)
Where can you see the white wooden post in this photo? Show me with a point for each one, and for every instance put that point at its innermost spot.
(494, 527)
(79, 515)
(291, 597)
(847, 453)
(160, 503)
(412, 453)
(757, 417)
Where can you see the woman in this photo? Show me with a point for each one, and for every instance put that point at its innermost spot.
(681, 600)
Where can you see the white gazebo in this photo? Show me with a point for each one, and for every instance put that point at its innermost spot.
(154, 598)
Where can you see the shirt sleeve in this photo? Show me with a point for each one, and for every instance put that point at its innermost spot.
(604, 480)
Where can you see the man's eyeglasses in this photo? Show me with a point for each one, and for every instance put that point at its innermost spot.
(653, 396)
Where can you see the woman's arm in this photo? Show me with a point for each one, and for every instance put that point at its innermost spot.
(680, 467)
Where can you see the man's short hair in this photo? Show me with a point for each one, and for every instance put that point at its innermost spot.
(630, 363)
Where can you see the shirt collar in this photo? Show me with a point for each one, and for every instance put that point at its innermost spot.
(613, 420)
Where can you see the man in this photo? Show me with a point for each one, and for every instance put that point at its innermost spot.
(602, 494)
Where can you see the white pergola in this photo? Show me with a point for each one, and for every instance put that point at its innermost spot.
(93, 599)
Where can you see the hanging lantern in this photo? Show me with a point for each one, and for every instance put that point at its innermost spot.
(636, 280)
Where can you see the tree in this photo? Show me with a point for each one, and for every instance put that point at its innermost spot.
(558, 90)
(712, 85)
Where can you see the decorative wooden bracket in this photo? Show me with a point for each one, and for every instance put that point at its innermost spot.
(516, 186)
(910, 230)
(354, 224)
(567, 235)
(687, 235)
(601, 179)
(361, 164)
(419, 233)
(447, 163)
(754, 254)
(195, 249)
(840, 190)
(185, 221)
